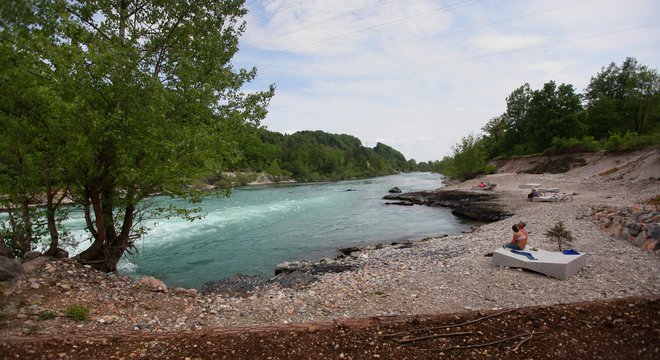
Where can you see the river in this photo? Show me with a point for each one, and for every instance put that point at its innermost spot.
(260, 226)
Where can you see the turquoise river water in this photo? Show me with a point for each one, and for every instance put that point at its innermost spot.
(260, 226)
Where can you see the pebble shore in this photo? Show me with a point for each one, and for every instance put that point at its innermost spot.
(439, 275)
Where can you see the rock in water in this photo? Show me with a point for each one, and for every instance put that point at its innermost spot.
(237, 285)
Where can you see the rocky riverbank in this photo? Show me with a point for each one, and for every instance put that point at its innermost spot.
(438, 275)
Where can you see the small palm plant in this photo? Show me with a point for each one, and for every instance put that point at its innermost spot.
(560, 234)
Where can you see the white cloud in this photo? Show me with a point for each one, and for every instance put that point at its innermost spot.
(420, 75)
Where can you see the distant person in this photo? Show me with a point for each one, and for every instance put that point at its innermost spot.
(519, 239)
(533, 194)
(481, 184)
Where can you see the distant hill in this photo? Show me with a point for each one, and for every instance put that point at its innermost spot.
(319, 156)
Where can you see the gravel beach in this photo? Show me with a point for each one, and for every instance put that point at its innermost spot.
(448, 274)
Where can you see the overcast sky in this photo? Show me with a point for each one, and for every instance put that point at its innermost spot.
(419, 75)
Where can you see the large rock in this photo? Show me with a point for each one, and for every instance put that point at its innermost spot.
(10, 269)
(237, 285)
(472, 205)
(5, 251)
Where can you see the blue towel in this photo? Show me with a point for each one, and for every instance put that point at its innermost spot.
(523, 253)
(570, 252)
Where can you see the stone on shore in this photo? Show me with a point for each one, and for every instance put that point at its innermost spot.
(152, 284)
(10, 269)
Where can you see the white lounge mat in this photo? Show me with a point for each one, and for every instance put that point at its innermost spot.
(544, 198)
(550, 263)
(529, 186)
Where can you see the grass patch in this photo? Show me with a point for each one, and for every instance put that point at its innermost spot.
(78, 312)
(46, 315)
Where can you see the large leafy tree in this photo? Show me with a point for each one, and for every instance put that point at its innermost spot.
(554, 112)
(517, 108)
(31, 115)
(623, 98)
(152, 97)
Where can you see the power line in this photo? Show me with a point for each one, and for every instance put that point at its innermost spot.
(325, 21)
(417, 67)
(444, 34)
(270, 14)
(380, 26)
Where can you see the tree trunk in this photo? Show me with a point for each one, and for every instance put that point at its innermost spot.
(51, 207)
(26, 234)
(94, 255)
(109, 245)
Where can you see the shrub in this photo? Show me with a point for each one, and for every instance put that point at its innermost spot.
(46, 315)
(560, 234)
(78, 312)
(490, 169)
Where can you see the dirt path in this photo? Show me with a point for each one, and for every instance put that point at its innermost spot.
(613, 329)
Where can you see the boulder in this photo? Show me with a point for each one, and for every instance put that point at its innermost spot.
(10, 269)
(31, 255)
(5, 251)
(654, 231)
(61, 254)
(152, 284)
(395, 190)
(237, 285)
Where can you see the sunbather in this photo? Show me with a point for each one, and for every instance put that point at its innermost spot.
(519, 240)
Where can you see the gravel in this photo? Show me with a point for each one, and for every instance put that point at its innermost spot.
(438, 275)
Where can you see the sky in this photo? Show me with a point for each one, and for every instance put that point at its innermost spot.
(419, 75)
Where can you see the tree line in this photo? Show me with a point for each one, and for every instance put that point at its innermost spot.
(318, 156)
(619, 110)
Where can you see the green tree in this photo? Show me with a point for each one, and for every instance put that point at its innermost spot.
(623, 98)
(554, 111)
(153, 99)
(515, 119)
(31, 118)
(468, 159)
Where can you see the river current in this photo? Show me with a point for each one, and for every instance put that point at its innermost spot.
(260, 226)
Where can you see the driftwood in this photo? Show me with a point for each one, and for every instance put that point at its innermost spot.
(486, 344)
(405, 341)
(447, 326)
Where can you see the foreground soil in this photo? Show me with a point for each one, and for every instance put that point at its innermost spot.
(611, 329)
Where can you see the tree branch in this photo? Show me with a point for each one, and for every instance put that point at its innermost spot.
(405, 341)
(482, 345)
(448, 326)
(89, 23)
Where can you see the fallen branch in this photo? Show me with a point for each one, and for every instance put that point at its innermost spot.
(447, 326)
(405, 341)
(484, 344)
(522, 342)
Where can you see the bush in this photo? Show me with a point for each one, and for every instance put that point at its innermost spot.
(560, 146)
(490, 169)
(560, 234)
(78, 312)
(46, 315)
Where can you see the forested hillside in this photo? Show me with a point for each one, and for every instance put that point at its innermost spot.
(619, 110)
(319, 156)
